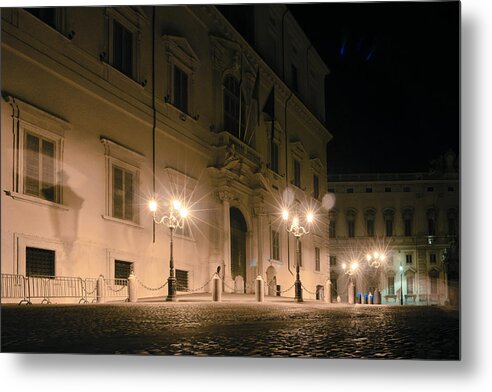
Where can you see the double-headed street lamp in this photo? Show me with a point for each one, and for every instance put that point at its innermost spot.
(174, 220)
(375, 260)
(294, 227)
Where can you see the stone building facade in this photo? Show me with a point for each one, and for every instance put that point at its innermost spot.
(106, 108)
(411, 218)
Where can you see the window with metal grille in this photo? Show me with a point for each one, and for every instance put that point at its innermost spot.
(40, 262)
(391, 285)
(122, 269)
(39, 167)
(275, 245)
(317, 261)
(315, 186)
(297, 173)
(333, 260)
(233, 107)
(123, 185)
(122, 49)
(181, 280)
(180, 89)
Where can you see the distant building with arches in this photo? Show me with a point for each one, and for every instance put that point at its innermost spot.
(413, 218)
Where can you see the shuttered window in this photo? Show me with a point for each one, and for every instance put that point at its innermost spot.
(181, 280)
(39, 167)
(40, 262)
(123, 186)
(122, 49)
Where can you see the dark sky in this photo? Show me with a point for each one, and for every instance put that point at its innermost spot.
(392, 97)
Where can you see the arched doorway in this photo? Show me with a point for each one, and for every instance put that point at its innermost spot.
(238, 244)
(271, 281)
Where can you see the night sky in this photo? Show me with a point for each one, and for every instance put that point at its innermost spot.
(392, 98)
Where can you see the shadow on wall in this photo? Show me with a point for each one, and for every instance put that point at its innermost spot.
(66, 223)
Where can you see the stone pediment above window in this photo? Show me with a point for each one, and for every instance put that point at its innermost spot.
(180, 49)
(229, 55)
(298, 149)
(118, 151)
(316, 165)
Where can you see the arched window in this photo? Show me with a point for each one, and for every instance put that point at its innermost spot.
(370, 216)
(351, 223)
(233, 107)
(389, 215)
(407, 221)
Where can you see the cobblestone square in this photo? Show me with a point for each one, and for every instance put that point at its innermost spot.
(234, 328)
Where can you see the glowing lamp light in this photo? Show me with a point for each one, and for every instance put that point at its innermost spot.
(285, 214)
(152, 206)
(309, 217)
(295, 221)
(383, 257)
(401, 268)
(368, 257)
(376, 255)
(176, 204)
(344, 266)
(354, 265)
(183, 212)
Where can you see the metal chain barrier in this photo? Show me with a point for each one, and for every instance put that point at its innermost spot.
(310, 292)
(226, 285)
(114, 290)
(197, 289)
(150, 288)
(84, 287)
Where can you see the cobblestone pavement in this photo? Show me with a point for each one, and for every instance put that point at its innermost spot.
(234, 329)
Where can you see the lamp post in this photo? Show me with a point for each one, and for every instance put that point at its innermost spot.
(375, 260)
(401, 285)
(174, 220)
(350, 271)
(297, 231)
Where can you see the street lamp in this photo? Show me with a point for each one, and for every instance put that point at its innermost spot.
(174, 220)
(297, 231)
(401, 285)
(375, 260)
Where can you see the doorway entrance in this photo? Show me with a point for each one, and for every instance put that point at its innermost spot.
(238, 245)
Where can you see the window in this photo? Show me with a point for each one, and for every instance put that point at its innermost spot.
(430, 189)
(123, 171)
(39, 167)
(315, 186)
(317, 261)
(332, 229)
(181, 280)
(275, 245)
(387, 189)
(122, 50)
(123, 193)
(450, 189)
(389, 215)
(351, 229)
(274, 156)
(40, 262)
(410, 282)
(122, 269)
(407, 221)
(180, 90)
(432, 258)
(406, 189)
(370, 227)
(297, 173)
(295, 78)
(350, 190)
(368, 190)
(391, 285)
(234, 112)
(48, 15)
(333, 261)
(408, 258)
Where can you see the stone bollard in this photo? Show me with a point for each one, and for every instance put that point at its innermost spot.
(370, 299)
(377, 297)
(100, 290)
(132, 288)
(328, 291)
(339, 299)
(259, 289)
(216, 289)
(351, 293)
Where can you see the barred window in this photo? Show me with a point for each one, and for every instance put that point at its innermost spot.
(122, 269)
(40, 262)
(181, 280)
